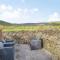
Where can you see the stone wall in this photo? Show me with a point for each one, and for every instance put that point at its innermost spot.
(52, 43)
(20, 37)
(53, 47)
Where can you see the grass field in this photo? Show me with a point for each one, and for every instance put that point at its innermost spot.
(29, 28)
(21, 27)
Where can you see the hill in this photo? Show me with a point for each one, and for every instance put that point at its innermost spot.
(28, 24)
(4, 23)
(55, 23)
(22, 24)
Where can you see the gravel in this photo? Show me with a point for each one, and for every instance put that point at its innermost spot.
(23, 52)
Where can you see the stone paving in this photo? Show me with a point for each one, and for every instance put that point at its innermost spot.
(23, 52)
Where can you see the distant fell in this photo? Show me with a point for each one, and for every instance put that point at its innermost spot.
(22, 24)
(4, 23)
(28, 24)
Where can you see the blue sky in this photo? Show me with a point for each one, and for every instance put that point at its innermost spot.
(29, 11)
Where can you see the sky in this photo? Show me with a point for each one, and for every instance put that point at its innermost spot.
(29, 11)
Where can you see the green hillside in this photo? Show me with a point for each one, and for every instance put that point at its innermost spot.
(4, 23)
(54, 23)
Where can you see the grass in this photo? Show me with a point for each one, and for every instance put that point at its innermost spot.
(29, 28)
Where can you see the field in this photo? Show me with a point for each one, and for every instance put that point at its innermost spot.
(29, 28)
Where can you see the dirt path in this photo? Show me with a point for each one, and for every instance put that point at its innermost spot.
(23, 52)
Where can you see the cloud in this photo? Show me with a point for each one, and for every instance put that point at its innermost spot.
(35, 9)
(5, 8)
(54, 17)
(18, 15)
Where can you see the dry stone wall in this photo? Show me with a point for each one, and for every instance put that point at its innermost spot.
(20, 37)
(52, 43)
